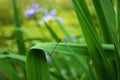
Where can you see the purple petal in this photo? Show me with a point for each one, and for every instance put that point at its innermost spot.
(74, 38)
(53, 13)
(47, 18)
(45, 11)
(36, 7)
(29, 13)
(48, 58)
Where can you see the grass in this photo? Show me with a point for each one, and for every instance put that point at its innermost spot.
(98, 58)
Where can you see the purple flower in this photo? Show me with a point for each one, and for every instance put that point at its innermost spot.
(48, 58)
(45, 11)
(63, 72)
(36, 7)
(74, 38)
(47, 18)
(53, 12)
(50, 16)
(31, 11)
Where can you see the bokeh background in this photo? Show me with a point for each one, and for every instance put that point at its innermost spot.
(64, 10)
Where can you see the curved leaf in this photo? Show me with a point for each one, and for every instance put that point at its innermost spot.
(37, 67)
(77, 48)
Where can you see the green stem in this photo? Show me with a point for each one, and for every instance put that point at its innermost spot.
(17, 31)
(64, 31)
(41, 31)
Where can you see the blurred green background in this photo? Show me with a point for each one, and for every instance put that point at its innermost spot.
(64, 9)
(30, 30)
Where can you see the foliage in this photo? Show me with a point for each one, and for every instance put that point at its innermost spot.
(67, 59)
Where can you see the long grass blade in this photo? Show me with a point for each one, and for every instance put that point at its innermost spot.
(118, 28)
(106, 17)
(18, 32)
(94, 45)
(64, 31)
(52, 32)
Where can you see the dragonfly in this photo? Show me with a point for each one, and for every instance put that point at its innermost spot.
(55, 47)
(60, 40)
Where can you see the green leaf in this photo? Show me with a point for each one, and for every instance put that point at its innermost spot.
(14, 56)
(62, 48)
(94, 45)
(37, 66)
(106, 17)
(8, 70)
(80, 49)
(118, 28)
(81, 63)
